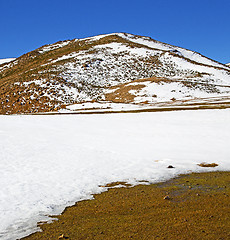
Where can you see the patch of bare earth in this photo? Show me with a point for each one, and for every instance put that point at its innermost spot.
(195, 206)
(121, 93)
(208, 164)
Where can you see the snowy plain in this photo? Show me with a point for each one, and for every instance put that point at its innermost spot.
(50, 162)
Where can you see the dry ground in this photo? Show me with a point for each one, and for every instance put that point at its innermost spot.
(197, 206)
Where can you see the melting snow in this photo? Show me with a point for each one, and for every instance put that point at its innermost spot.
(49, 162)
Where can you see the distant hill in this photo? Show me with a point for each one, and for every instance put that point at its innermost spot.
(6, 60)
(115, 68)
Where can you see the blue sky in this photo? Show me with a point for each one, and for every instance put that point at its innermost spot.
(202, 26)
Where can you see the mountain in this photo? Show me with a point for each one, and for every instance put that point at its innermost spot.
(228, 64)
(6, 60)
(118, 71)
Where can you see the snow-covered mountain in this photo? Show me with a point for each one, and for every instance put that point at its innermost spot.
(107, 69)
(6, 60)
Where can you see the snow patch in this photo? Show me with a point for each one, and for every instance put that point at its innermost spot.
(6, 60)
(51, 47)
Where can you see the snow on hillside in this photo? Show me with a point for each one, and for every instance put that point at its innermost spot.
(50, 47)
(210, 74)
(127, 54)
(80, 70)
(49, 162)
(163, 92)
(6, 60)
(194, 56)
(116, 63)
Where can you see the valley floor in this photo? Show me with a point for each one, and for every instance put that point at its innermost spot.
(49, 162)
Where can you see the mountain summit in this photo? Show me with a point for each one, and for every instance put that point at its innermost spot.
(111, 69)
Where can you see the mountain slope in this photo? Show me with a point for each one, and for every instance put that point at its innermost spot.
(6, 60)
(119, 67)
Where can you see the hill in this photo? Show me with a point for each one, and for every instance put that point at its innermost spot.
(119, 70)
(6, 60)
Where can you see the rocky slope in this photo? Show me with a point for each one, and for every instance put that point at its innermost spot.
(114, 68)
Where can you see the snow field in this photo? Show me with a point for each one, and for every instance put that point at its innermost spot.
(50, 162)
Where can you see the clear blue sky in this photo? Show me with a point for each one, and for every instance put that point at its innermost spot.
(200, 25)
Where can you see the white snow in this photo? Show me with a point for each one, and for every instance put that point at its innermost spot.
(95, 38)
(54, 46)
(162, 92)
(97, 106)
(119, 47)
(221, 76)
(49, 162)
(194, 56)
(6, 60)
(64, 57)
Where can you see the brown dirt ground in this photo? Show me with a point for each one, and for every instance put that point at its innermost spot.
(198, 208)
(122, 94)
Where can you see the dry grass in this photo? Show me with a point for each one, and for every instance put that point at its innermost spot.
(122, 94)
(207, 164)
(197, 207)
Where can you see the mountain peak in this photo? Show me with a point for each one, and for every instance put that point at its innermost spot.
(115, 67)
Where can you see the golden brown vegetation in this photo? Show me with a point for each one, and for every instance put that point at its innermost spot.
(197, 207)
(208, 164)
